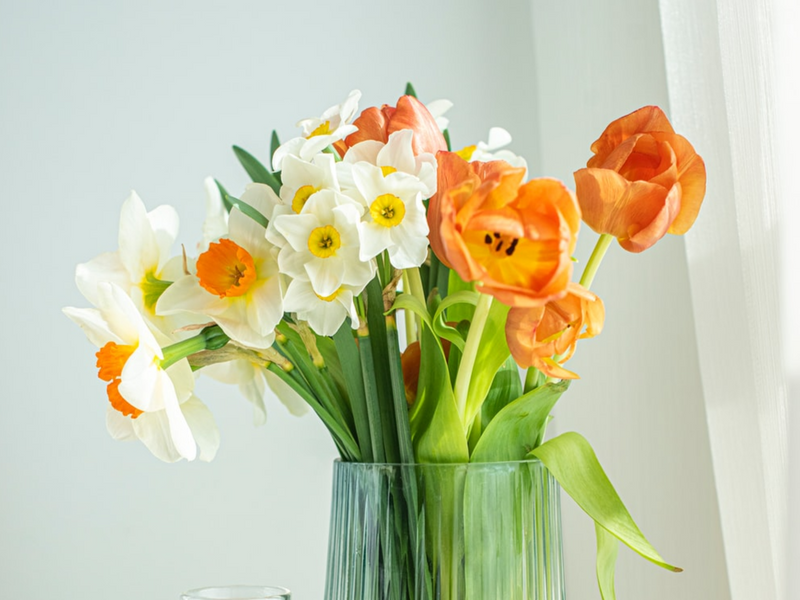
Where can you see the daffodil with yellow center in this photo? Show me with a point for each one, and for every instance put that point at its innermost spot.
(322, 244)
(492, 149)
(237, 285)
(146, 401)
(324, 314)
(396, 219)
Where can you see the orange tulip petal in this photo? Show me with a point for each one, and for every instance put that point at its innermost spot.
(646, 119)
(412, 114)
(691, 173)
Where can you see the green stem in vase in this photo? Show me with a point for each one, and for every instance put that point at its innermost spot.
(603, 242)
(464, 376)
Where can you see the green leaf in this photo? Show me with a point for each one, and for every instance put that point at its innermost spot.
(410, 91)
(492, 353)
(513, 433)
(462, 312)
(413, 304)
(446, 134)
(571, 460)
(250, 212)
(350, 362)
(436, 430)
(446, 331)
(607, 550)
(257, 172)
(226, 197)
(273, 144)
(506, 387)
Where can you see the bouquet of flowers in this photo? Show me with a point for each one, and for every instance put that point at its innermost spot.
(392, 286)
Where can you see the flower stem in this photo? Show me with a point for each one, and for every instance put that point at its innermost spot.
(603, 242)
(418, 291)
(408, 317)
(211, 338)
(464, 376)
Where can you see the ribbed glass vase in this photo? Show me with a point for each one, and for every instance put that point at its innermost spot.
(478, 531)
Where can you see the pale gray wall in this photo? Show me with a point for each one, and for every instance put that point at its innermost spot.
(97, 99)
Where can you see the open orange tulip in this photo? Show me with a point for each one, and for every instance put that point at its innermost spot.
(545, 336)
(643, 182)
(515, 239)
(379, 123)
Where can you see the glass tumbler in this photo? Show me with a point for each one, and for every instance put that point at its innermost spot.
(238, 592)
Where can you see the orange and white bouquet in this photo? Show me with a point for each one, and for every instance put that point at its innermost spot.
(298, 282)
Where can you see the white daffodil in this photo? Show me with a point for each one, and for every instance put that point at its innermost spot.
(491, 150)
(319, 133)
(395, 156)
(396, 219)
(301, 179)
(237, 284)
(322, 243)
(438, 108)
(325, 314)
(141, 266)
(252, 380)
(147, 402)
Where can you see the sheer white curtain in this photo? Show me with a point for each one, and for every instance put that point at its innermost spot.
(721, 76)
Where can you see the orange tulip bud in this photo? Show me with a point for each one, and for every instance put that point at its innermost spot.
(643, 182)
(410, 363)
(515, 239)
(545, 336)
(379, 123)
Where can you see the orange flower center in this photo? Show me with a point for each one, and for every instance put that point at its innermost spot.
(111, 359)
(226, 269)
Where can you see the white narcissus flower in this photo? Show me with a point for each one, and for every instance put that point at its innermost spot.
(397, 155)
(491, 150)
(396, 219)
(237, 285)
(141, 266)
(147, 402)
(322, 243)
(301, 179)
(325, 314)
(319, 133)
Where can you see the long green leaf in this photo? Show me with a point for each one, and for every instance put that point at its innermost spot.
(462, 312)
(446, 331)
(350, 362)
(410, 91)
(257, 172)
(607, 550)
(274, 143)
(411, 303)
(226, 197)
(512, 434)
(571, 460)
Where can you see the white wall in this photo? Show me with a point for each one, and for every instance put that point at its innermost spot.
(100, 98)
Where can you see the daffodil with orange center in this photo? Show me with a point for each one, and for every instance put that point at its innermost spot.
(236, 284)
(146, 401)
(545, 336)
(516, 240)
(643, 182)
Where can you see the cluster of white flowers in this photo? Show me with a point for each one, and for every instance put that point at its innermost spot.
(330, 219)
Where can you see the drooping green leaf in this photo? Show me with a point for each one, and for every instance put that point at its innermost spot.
(410, 91)
(492, 353)
(413, 304)
(226, 197)
(571, 460)
(446, 134)
(274, 143)
(506, 387)
(607, 550)
(446, 331)
(257, 172)
(512, 434)
(435, 425)
(461, 312)
(230, 201)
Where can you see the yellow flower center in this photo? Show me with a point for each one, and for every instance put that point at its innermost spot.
(226, 269)
(324, 241)
(387, 170)
(387, 210)
(301, 196)
(324, 129)
(111, 359)
(330, 298)
(466, 152)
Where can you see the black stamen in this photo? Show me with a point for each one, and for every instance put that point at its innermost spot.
(499, 245)
(512, 247)
(488, 239)
(496, 235)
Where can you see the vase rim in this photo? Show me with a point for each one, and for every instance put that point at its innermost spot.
(448, 464)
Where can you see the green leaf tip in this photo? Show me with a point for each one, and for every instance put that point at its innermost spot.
(410, 91)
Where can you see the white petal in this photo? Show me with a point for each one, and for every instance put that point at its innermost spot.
(290, 399)
(327, 318)
(93, 324)
(294, 263)
(215, 224)
(366, 151)
(296, 229)
(292, 147)
(498, 137)
(300, 297)
(182, 379)
(178, 427)
(164, 222)
(138, 247)
(154, 432)
(119, 426)
(121, 314)
(253, 390)
(247, 233)
(187, 294)
(411, 253)
(326, 275)
(265, 305)
(261, 197)
(202, 426)
(236, 326)
(398, 152)
(232, 372)
(141, 385)
(374, 240)
(106, 267)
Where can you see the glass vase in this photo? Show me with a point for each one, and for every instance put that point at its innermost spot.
(477, 531)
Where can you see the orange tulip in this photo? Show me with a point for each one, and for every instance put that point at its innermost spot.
(410, 362)
(515, 239)
(536, 335)
(379, 123)
(643, 182)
